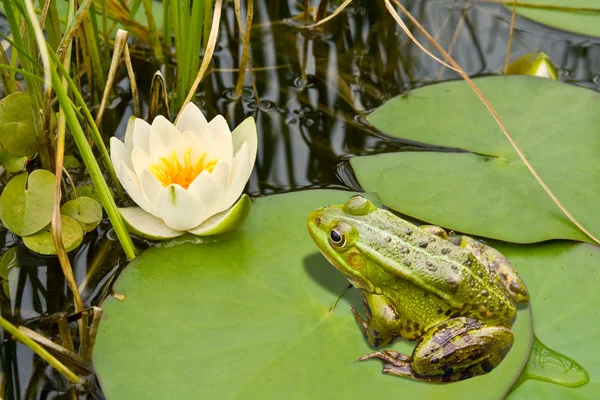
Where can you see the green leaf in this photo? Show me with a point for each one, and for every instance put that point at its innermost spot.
(86, 211)
(26, 205)
(584, 22)
(250, 318)
(42, 243)
(8, 261)
(492, 193)
(10, 162)
(17, 130)
(563, 280)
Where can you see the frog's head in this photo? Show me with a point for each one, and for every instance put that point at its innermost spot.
(334, 230)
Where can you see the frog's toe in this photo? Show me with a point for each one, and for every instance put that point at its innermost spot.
(391, 357)
(435, 230)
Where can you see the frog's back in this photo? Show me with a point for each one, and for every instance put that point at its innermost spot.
(440, 280)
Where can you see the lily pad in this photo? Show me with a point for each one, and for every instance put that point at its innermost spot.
(26, 204)
(86, 211)
(491, 193)
(585, 22)
(42, 243)
(250, 318)
(12, 163)
(563, 279)
(17, 130)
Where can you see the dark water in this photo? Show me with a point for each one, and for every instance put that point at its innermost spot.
(313, 90)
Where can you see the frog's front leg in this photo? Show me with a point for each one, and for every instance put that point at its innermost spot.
(382, 324)
(457, 349)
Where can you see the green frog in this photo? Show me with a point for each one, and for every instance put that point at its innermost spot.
(454, 295)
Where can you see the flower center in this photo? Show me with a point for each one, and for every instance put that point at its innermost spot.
(169, 170)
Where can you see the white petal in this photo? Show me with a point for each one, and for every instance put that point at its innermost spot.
(210, 188)
(128, 139)
(151, 188)
(191, 119)
(118, 154)
(140, 160)
(179, 209)
(131, 184)
(245, 132)
(220, 145)
(163, 138)
(147, 225)
(189, 140)
(141, 135)
(241, 169)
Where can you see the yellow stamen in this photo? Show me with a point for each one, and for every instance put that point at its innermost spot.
(169, 170)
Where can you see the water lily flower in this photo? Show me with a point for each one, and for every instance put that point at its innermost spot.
(186, 177)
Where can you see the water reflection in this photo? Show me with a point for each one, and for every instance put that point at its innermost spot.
(309, 91)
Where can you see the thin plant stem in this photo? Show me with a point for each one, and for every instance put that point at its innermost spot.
(330, 17)
(246, 42)
(95, 133)
(120, 41)
(39, 350)
(491, 109)
(152, 30)
(210, 49)
(93, 169)
(510, 36)
(132, 81)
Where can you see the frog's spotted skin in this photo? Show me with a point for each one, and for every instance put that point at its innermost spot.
(457, 296)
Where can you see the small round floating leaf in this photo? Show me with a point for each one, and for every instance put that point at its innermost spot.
(11, 162)
(491, 193)
(26, 205)
(42, 243)
(17, 131)
(250, 318)
(86, 211)
(71, 162)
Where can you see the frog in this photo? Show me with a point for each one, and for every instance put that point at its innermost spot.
(455, 296)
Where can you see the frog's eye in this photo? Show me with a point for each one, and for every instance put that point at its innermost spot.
(337, 238)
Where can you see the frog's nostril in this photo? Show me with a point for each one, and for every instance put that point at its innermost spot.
(318, 221)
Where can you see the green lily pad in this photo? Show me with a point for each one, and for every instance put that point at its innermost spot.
(491, 193)
(86, 211)
(250, 318)
(26, 205)
(12, 163)
(563, 280)
(17, 130)
(42, 243)
(585, 22)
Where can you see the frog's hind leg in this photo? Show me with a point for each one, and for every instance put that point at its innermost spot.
(495, 262)
(457, 349)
